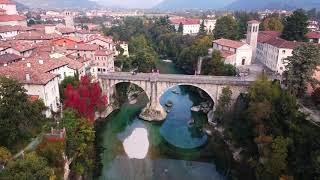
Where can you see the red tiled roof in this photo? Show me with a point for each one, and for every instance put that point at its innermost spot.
(103, 52)
(264, 36)
(185, 21)
(281, 43)
(35, 35)
(83, 47)
(80, 59)
(17, 45)
(6, 2)
(7, 58)
(14, 28)
(226, 54)
(229, 43)
(101, 38)
(313, 35)
(66, 30)
(253, 22)
(14, 17)
(73, 64)
(20, 74)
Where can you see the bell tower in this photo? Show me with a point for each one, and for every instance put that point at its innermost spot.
(68, 18)
(252, 36)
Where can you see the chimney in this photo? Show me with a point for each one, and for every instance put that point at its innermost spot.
(29, 65)
(23, 59)
(5, 65)
(28, 77)
(40, 61)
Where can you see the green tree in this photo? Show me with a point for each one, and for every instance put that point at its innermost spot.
(301, 67)
(276, 164)
(80, 137)
(20, 118)
(188, 57)
(226, 27)
(224, 103)
(272, 24)
(5, 156)
(215, 66)
(202, 30)
(138, 43)
(31, 167)
(180, 28)
(295, 26)
(144, 60)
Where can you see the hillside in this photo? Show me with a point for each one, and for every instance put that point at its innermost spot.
(273, 4)
(49, 4)
(199, 4)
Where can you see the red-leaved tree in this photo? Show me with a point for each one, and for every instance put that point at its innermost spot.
(86, 99)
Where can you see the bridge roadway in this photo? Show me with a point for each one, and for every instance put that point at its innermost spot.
(179, 78)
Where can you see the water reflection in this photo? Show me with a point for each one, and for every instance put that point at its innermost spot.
(161, 160)
(182, 128)
(136, 144)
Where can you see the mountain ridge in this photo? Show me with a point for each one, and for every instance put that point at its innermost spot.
(273, 4)
(199, 4)
(49, 4)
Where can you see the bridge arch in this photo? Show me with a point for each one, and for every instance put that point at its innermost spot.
(206, 90)
(140, 84)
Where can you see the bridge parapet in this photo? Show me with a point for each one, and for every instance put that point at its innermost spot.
(174, 78)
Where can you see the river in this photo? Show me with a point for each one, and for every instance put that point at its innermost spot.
(174, 149)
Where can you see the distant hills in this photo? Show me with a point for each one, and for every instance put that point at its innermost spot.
(193, 4)
(177, 4)
(272, 4)
(239, 4)
(20, 7)
(52, 4)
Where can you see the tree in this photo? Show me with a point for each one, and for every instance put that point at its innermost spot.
(301, 67)
(272, 24)
(79, 142)
(226, 27)
(202, 30)
(215, 66)
(74, 81)
(138, 43)
(188, 58)
(5, 156)
(86, 99)
(20, 118)
(224, 103)
(295, 26)
(144, 60)
(30, 167)
(276, 164)
(180, 28)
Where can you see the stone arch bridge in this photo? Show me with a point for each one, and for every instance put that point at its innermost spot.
(155, 85)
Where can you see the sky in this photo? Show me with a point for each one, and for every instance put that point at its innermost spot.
(130, 3)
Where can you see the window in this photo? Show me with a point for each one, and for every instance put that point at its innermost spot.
(99, 70)
(283, 51)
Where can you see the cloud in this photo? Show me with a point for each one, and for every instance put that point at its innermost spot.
(129, 3)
